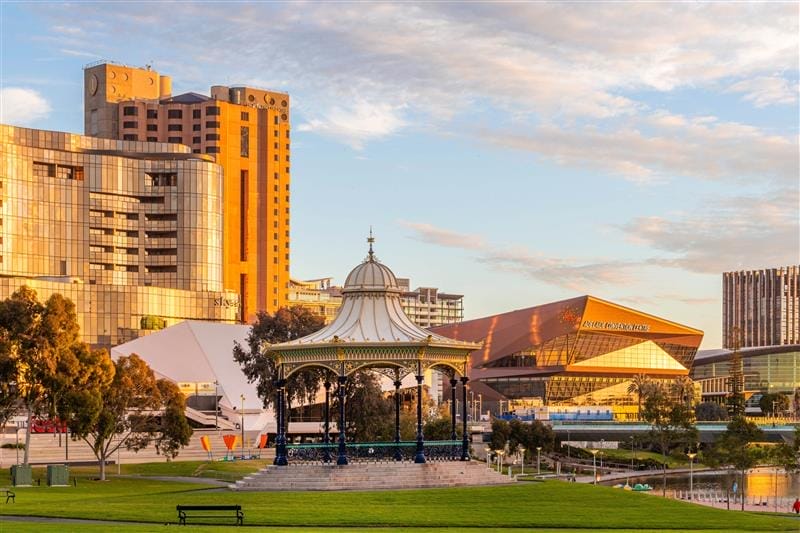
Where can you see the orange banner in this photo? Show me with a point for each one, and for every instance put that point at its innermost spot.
(230, 441)
(206, 442)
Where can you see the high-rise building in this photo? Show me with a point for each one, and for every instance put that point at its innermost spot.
(132, 232)
(246, 131)
(425, 306)
(761, 307)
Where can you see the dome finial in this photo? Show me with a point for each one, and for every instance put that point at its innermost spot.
(370, 240)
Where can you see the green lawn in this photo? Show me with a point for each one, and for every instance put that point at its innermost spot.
(551, 504)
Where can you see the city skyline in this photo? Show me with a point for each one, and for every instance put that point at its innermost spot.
(518, 154)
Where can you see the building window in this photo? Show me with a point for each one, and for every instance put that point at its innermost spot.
(152, 127)
(152, 113)
(243, 208)
(196, 151)
(174, 139)
(175, 127)
(130, 124)
(212, 136)
(245, 115)
(245, 142)
(44, 170)
(212, 124)
(195, 113)
(196, 127)
(174, 113)
(130, 111)
(163, 179)
(275, 157)
(196, 140)
(130, 137)
(212, 150)
(275, 133)
(212, 110)
(152, 139)
(276, 120)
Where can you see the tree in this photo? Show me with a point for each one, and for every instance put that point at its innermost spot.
(501, 432)
(735, 448)
(367, 411)
(37, 345)
(774, 403)
(671, 421)
(710, 412)
(123, 406)
(736, 398)
(639, 386)
(285, 325)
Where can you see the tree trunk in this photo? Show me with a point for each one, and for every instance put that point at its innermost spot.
(664, 470)
(26, 456)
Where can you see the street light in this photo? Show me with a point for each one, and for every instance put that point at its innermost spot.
(500, 460)
(488, 454)
(691, 457)
(594, 464)
(242, 413)
(538, 460)
(522, 463)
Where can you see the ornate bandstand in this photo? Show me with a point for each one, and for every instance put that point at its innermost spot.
(371, 332)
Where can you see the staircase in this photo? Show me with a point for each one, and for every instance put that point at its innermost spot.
(371, 476)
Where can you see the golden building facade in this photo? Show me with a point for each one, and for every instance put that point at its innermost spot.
(246, 131)
(130, 231)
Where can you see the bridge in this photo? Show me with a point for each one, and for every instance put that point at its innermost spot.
(622, 431)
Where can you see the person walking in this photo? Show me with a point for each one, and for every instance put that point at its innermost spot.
(796, 506)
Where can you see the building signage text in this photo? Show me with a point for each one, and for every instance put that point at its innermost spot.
(616, 326)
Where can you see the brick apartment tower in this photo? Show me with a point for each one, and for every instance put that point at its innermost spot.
(246, 130)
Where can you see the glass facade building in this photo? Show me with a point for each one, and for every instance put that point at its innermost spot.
(767, 369)
(582, 351)
(127, 230)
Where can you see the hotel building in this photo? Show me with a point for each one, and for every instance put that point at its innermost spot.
(131, 231)
(579, 352)
(245, 131)
(425, 306)
(761, 307)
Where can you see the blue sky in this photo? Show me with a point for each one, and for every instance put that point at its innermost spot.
(516, 153)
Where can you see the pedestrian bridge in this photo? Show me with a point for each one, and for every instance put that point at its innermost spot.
(621, 431)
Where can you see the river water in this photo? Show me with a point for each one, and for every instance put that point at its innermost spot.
(759, 482)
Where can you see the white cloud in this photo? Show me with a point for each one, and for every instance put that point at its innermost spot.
(22, 107)
(739, 233)
(767, 90)
(358, 123)
(444, 237)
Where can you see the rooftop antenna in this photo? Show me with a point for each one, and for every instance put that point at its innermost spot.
(370, 240)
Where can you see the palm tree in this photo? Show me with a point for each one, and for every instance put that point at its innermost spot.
(683, 389)
(639, 385)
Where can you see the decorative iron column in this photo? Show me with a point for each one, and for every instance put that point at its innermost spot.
(398, 455)
(453, 383)
(342, 458)
(280, 442)
(419, 457)
(326, 438)
(464, 436)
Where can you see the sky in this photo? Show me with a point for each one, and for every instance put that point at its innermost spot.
(517, 153)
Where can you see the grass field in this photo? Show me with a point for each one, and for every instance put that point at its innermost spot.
(548, 505)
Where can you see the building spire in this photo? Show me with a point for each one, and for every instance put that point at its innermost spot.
(370, 240)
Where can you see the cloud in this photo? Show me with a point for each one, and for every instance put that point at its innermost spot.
(767, 90)
(357, 124)
(660, 145)
(569, 273)
(738, 233)
(22, 107)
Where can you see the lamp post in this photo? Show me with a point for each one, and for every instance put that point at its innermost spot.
(488, 455)
(691, 457)
(500, 460)
(242, 414)
(538, 460)
(522, 463)
(594, 464)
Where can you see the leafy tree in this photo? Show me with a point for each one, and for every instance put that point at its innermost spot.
(710, 412)
(530, 435)
(37, 346)
(368, 412)
(285, 325)
(440, 428)
(735, 448)
(736, 399)
(774, 403)
(639, 385)
(501, 432)
(671, 421)
(123, 406)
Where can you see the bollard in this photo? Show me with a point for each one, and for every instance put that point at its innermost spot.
(509, 470)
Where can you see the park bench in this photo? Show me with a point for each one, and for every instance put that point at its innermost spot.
(10, 495)
(209, 511)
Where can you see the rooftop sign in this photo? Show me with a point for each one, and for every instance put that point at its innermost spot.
(614, 326)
